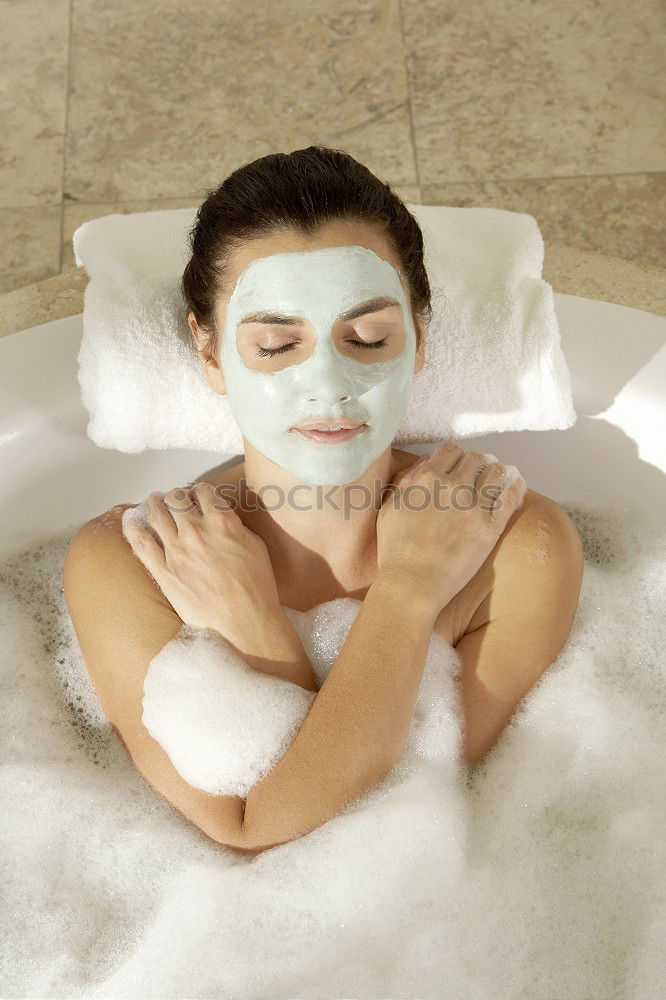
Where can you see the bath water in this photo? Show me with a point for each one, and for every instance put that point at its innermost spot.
(537, 874)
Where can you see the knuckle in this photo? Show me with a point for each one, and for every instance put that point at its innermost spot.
(496, 468)
(514, 488)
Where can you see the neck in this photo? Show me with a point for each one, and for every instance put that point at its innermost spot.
(315, 531)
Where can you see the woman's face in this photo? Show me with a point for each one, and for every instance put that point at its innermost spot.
(318, 335)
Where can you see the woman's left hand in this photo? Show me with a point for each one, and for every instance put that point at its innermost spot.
(215, 572)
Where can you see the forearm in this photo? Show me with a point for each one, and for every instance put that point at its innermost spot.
(271, 644)
(358, 724)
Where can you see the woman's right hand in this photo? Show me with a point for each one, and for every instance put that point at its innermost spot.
(442, 517)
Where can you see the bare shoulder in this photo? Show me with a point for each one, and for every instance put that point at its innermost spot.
(106, 525)
(107, 588)
(538, 559)
(538, 531)
(104, 532)
(529, 589)
(101, 546)
(122, 621)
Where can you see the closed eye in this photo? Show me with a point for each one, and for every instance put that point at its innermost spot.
(372, 345)
(265, 352)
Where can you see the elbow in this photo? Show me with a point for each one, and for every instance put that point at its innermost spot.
(261, 827)
(239, 841)
(238, 849)
(261, 830)
(472, 755)
(254, 838)
(246, 838)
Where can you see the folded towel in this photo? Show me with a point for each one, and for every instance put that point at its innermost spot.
(493, 358)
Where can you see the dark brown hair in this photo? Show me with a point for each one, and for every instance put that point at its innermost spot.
(299, 191)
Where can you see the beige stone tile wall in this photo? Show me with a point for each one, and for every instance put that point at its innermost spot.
(552, 109)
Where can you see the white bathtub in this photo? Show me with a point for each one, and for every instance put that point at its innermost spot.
(542, 877)
(54, 476)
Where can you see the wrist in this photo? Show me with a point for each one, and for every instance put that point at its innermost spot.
(246, 623)
(268, 642)
(402, 585)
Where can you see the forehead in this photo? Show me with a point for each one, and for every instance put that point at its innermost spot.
(338, 233)
(345, 274)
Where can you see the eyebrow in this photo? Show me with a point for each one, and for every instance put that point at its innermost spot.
(372, 305)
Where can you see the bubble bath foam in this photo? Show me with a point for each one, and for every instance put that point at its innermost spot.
(539, 873)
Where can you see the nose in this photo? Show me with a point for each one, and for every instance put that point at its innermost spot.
(329, 387)
(328, 397)
(327, 380)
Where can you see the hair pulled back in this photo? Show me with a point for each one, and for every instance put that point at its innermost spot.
(299, 191)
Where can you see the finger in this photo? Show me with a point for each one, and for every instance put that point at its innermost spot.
(179, 506)
(493, 474)
(516, 483)
(512, 490)
(149, 552)
(446, 456)
(229, 496)
(512, 479)
(137, 518)
(145, 547)
(223, 502)
(415, 466)
(442, 459)
(471, 465)
(492, 482)
(204, 494)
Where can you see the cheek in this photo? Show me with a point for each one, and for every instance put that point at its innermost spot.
(378, 378)
(254, 397)
(381, 398)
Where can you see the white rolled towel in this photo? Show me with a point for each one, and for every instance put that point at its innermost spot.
(223, 724)
(493, 353)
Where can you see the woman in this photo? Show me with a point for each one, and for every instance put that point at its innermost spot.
(308, 301)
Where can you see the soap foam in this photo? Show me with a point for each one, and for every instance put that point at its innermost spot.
(538, 873)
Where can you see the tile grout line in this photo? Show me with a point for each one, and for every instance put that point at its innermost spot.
(65, 130)
(409, 98)
(483, 180)
(553, 177)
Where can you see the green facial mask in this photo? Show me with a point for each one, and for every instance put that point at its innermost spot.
(335, 380)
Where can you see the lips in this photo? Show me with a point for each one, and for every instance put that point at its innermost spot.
(334, 424)
(344, 430)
